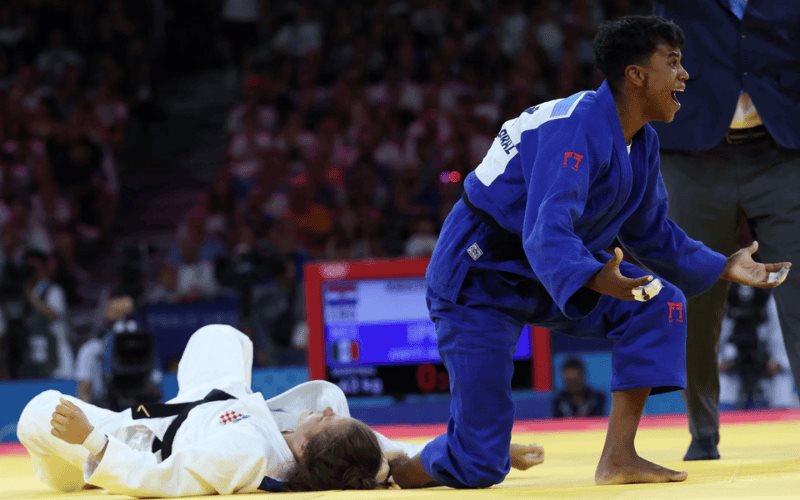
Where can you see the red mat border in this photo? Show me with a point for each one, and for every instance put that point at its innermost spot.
(552, 425)
(12, 449)
(595, 423)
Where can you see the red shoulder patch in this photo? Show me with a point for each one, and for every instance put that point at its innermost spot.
(572, 155)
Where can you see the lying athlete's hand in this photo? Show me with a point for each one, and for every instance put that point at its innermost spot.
(70, 423)
(409, 473)
(609, 281)
(525, 456)
(742, 269)
(384, 472)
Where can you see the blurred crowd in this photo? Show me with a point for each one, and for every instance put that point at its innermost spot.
(72, 74)
(356, 125)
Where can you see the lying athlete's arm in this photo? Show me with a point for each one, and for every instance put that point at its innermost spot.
(409, 473)
(222, 463)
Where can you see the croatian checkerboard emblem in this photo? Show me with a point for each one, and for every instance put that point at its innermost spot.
(231, 417)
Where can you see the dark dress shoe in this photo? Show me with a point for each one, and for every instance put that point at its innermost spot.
(704, 448)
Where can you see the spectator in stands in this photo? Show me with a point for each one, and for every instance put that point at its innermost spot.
(277, 312)
(165, 286)
(195, 275)
(47, 350)
(577, 399)
(240, 23)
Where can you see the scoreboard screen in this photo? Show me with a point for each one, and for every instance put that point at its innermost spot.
(369, 330)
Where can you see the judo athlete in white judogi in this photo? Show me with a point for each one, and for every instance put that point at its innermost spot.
(233, 442)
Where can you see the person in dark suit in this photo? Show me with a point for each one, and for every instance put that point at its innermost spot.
(734, 148)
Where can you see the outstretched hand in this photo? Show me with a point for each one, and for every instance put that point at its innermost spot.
(610, 281)
(525, 456)
(742, 269)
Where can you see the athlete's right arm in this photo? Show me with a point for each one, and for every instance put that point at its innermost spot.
(563, 165)
(610, 281)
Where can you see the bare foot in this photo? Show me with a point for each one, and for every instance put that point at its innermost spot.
(525, 456)
(636, 470)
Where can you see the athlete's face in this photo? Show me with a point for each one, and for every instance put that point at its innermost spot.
(311, 423)
(665, 78)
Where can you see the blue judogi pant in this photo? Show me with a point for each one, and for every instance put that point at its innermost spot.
(478, 328)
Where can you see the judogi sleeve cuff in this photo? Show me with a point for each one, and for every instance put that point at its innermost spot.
(575, 300)
(105, 473)
(698, 282)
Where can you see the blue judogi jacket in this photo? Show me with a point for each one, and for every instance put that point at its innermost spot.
(559, 176)
(724, 55)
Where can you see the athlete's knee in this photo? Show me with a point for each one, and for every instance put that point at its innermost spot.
(668, 307)
(329, 394)
(217, 335)
(485, 475)
(672, 293)
(216, 331)
(483, 465)
(36, 415)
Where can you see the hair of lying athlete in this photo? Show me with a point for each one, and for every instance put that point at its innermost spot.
(631, 40)
(338, 459)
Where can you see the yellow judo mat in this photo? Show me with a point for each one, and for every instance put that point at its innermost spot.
(760, 460)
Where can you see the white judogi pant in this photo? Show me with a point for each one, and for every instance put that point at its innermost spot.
(207, 457)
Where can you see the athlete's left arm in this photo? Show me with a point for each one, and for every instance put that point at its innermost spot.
(661, 245)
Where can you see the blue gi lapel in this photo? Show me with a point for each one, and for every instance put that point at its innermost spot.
(619, 156)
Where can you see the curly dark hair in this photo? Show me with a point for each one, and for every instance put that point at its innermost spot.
(631, 40)
(338, 459)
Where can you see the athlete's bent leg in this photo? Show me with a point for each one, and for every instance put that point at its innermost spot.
(477, 339)
(619, 462)
(648, 357)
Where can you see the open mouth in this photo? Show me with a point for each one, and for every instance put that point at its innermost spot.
(675, 96)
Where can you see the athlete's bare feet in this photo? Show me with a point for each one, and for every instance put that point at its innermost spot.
(525, 456)
(634, 470)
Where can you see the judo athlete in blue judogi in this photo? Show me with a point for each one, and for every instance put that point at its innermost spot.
(528, 244)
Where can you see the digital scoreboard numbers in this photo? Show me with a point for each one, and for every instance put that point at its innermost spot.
(379, 340)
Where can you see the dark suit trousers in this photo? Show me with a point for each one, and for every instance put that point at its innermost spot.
(707, 190)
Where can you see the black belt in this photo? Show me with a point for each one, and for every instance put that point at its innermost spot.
(746, 135)
(181, 410)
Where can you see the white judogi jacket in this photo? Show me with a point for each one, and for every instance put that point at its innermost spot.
(231, 446)
(222, 447)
